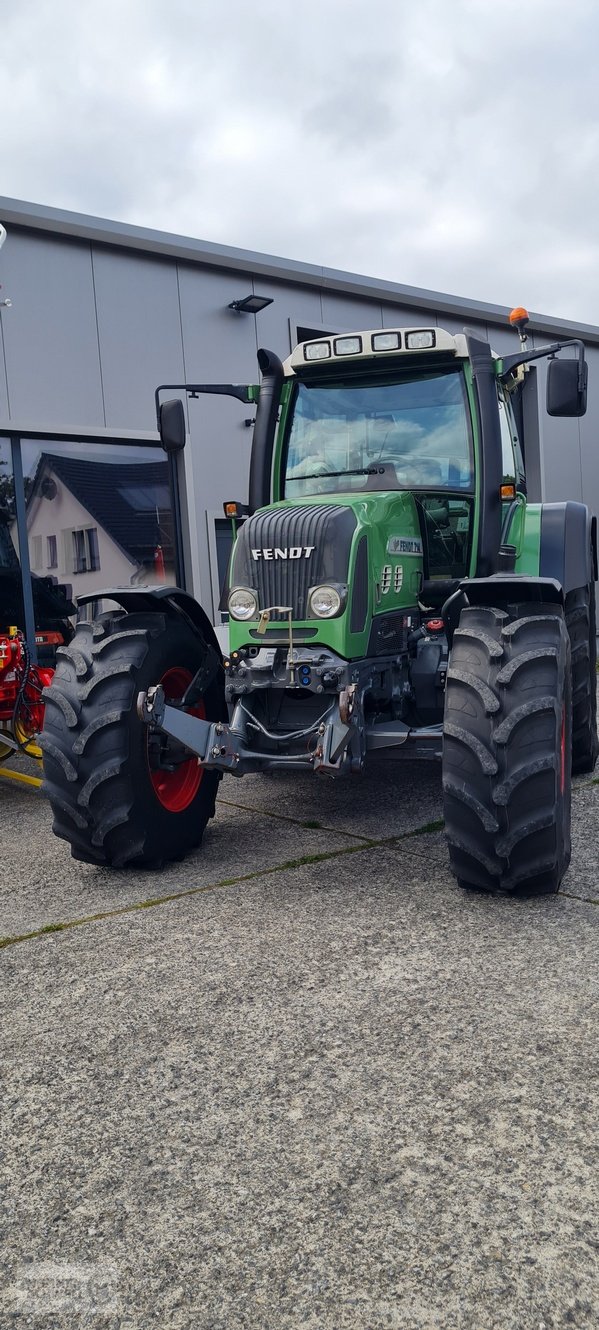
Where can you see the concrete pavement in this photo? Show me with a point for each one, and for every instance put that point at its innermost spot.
(325, 1089)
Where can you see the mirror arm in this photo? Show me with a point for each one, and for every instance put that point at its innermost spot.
(238, 390)
(510, 363)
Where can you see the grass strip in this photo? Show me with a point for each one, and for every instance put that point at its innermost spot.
(154, 901)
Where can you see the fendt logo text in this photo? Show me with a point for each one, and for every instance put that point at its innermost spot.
(289, 552)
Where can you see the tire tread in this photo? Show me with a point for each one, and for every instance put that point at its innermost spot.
(95, 761)
(507, 820)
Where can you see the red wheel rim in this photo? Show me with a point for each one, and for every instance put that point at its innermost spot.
(177, 789)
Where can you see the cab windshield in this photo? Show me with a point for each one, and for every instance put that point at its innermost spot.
(411, 434)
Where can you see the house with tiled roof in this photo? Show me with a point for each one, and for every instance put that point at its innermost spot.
(95, 523)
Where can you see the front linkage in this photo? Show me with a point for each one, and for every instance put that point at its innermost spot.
(333, 734)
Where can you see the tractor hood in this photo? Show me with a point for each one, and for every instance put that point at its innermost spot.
(369, 546)
(282, 552)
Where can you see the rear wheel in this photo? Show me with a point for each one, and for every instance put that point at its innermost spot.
(581, 625)
(120, 793)
(507, 750)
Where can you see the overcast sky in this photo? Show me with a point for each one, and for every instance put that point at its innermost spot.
(451, 144)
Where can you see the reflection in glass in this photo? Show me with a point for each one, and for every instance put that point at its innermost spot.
(100, 515)
(412, 434)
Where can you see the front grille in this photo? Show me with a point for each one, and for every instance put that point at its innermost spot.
(326, 530)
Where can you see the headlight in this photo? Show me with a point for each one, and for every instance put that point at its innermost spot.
(348, 346)
(388, 341)
(317, 350)
(243, 604)
(420, 341)
(325, 602)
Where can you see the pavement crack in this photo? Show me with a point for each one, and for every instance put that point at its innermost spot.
(296, 821)
(588, 900)
(153, 901)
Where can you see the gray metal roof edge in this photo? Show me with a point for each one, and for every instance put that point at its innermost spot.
(69, 433)
(124, 235)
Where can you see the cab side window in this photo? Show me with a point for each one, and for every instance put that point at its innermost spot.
(507, 445)
(513, 462)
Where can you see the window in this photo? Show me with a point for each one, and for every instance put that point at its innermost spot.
(520, 473)
(221, 553)
(90, 611)
(413, 433)
(508, 464)
(146, 498)
(86, 554)
(35, 552)
(306, 334)
(51, 552)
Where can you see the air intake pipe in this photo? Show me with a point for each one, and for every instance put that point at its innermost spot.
(265, 428)
(490, 463)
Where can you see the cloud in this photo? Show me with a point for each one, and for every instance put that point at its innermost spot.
(454, 147)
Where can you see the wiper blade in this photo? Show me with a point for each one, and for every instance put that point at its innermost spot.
(360, 471)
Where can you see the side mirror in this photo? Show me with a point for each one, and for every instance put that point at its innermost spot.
(171, 423)
(567, 387)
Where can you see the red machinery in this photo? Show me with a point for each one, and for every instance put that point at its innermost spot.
(21, 685)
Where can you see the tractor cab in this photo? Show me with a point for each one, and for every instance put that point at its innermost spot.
(409, 430)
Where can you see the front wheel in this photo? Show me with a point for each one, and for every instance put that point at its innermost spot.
(507, 750)
(120, 793)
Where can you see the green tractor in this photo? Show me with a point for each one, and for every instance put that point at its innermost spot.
(390, 589)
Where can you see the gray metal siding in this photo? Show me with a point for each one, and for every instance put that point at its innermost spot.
(220, 346)
(561, 452)
(50, 334)
(589, 437)
(103, 312)
(139, 330)
(273, 323)
(398, 316)
(347, 313)
(3, 379)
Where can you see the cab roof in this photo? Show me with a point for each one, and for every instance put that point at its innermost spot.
(374, 345)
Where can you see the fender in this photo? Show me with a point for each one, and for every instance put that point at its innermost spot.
(500, 590)
(168, 600)
(568, 544)
(503, 589)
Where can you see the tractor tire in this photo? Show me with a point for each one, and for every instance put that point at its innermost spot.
(105, 776)
(581, 625)
(507, 750)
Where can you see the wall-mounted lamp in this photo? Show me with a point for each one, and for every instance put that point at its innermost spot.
(251, 304)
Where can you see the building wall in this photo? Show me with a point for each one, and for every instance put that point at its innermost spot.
(96, 325)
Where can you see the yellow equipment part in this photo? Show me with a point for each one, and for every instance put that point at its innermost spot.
(29, 746)
(31, 749)
(20, 776)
